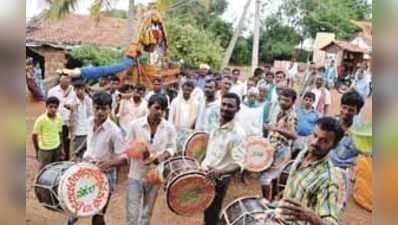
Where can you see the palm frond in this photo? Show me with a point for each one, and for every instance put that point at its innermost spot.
(170, 5)
(96, 7)
(60, 8)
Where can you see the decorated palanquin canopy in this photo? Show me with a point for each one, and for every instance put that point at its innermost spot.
(146, 57)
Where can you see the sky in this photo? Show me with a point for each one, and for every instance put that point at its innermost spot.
(232, 14)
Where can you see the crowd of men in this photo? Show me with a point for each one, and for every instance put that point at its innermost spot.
(98, 123)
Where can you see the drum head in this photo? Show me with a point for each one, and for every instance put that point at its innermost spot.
(83, 190)
(196, 146)
(190, 193)
(245, 210)
(259, 155)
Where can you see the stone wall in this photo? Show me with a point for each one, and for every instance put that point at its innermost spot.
(54, 59)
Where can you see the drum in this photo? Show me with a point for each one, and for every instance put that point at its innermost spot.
(196, 146)
(75, 189)
(188, 190)
(259, 155)
(249, 211)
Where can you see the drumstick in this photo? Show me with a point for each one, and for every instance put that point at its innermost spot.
(81, 147)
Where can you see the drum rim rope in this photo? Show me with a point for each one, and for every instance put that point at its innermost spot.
(262, 200)
(190, 173)
(55, 186)
(170, 182)
(63, 180)
(53, 193)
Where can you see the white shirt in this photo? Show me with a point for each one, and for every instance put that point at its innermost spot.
(199, 95)
(184, 114)
(129, 111)
(163, 140)
(105, 142)
(58, 92)
(149, 94)
(318, 92)
(81, 114)
(250, 119)
(274, 95)
(226, 147)
(239, 89)
(209, 117)
(291, 72)
(273, 112)
(115, 97)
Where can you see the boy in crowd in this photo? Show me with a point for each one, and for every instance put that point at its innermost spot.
(282, 133)
(306, 115)
(81, 111)
(47, 133)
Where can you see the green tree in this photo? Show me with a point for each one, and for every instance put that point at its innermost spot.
(95, 56)
(242, 52)
(117, 13)
(195, 12)
(200, 13)
(193, 45)
(277, 41)
(222, 30)
(326, 16)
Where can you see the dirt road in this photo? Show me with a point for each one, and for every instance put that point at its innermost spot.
(37, 215)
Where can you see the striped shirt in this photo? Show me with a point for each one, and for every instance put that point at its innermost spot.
(318, 186)
(284, 120)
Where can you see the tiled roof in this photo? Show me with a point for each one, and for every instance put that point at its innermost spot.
(80, 29)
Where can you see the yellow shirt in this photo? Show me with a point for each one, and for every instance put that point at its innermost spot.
(48, 131)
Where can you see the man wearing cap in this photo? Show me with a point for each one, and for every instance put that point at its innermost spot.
(202, 73)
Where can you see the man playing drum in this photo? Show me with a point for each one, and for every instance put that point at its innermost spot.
(314, 193)
(225, 153)
(105, 146)
(159, 137)
(282, 133)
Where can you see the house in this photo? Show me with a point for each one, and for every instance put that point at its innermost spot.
(354, 52)
(321, 39)
(346, 52)
(48, 42)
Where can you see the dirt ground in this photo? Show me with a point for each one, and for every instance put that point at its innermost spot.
(37, 215)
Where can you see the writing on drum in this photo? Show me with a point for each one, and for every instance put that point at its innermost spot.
(86, 190)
